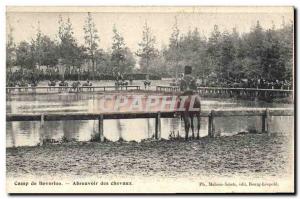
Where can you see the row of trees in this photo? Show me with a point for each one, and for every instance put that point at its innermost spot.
(259, 54)
(224, 55)
(66, 54)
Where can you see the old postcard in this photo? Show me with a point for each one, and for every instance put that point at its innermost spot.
(150, 99)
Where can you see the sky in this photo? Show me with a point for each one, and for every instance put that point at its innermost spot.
(130, 21)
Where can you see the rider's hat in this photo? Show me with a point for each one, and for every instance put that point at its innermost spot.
(187, 70)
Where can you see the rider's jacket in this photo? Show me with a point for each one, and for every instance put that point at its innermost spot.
(188, 84)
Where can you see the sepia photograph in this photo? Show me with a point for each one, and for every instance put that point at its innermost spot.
(150, 99)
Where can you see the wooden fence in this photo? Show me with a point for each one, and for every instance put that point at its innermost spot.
(232, 92)
(264, 113)
(203, 91)
(69, 88)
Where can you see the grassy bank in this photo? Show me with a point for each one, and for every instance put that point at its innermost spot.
(239, 154)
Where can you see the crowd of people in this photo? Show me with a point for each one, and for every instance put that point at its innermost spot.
(240, 83)
(250, 83)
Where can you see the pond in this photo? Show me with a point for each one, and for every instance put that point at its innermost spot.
(26, 133)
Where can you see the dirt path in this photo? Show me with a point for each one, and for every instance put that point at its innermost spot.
(241, 154)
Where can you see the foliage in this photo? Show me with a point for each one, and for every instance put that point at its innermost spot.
(121, 57)
(10, 49)
(147, 51)
(25, 55)
(227, 56)
(70, 53)
(91, 39)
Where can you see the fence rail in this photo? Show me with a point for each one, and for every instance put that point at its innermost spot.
(221, 92)
(204, 91)
(264, 113)
(68, 88)
(176, 88)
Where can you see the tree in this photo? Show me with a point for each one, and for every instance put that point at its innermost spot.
(91, 40)
(70, 53)
(254, 50)
(286, 42)
(273, 67)
(147, 51)
(45, 50)
(121, 56)
(193, 52)
(227, 56)
(172, 55)
(24, 55)
(49, 55)
(36, 45)
(236, 69)
(10, 49)
(214, 50)
(103, 62)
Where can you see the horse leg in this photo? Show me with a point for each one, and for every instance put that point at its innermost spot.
(186, 125)
(198, 125)
(192, 126)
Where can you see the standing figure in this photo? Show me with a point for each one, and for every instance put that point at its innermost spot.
(147, 82)
(130, 80)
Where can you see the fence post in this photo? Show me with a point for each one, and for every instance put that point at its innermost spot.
(265, 121)
(42, 129)
(268, 121)
(101, 134)
(157, 126)
(211, 126)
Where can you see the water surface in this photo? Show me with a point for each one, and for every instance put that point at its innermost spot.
(28, 133)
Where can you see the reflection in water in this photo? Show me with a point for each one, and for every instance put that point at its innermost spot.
(28, 133)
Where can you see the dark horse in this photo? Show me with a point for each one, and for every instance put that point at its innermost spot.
(147, 83)
(75, 86)
(51, 83)
(88, 84)
(121, 84)
(189, 107)
(189, 104)
(64, 85)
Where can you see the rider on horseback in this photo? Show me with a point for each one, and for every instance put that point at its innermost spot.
(188, 82)
(189, 95)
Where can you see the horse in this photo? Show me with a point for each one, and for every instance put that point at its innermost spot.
(10, 84)
(51, 83)
(87, 84)
(121, 83)
(147, 83)
(75, 85)
(23, 84)
(63, 84)
(183, 106)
